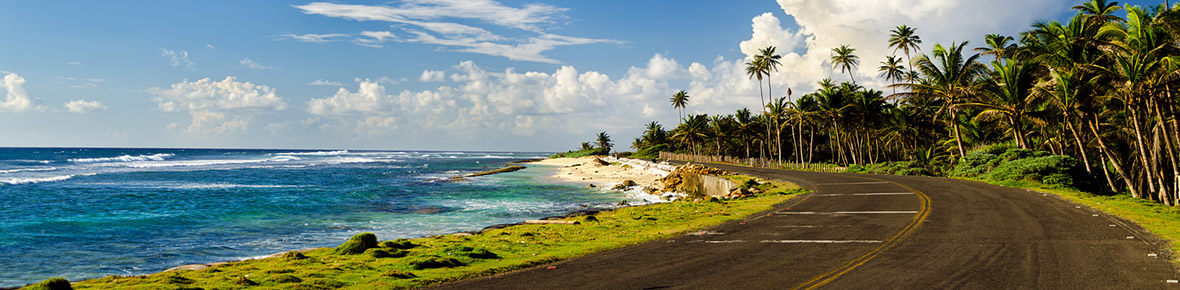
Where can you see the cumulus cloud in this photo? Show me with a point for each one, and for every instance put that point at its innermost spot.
(84, 106)
(210, 103)
(436, 22)
(433, 76)
(866, 25)
(250, 63)
(314, 38)
(177, 59)
(15, 97)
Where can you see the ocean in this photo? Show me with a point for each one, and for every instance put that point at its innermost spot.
(83, 213)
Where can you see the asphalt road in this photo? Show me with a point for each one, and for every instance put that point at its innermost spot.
(879, 232)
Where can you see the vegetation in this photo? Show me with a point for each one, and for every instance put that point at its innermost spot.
(588, 148)
(1098, 93)
(434, 260)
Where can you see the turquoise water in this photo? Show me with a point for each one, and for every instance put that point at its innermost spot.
(87, 213)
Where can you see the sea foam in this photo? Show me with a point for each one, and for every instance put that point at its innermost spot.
(124, 158)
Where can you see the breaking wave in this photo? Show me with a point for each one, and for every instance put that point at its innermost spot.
(124, 158)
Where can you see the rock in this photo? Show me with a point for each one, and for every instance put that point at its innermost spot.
(629, 183)
(600, 162)
(619, 187)
(591, 185)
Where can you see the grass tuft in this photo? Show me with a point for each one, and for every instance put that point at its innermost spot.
(358, 244)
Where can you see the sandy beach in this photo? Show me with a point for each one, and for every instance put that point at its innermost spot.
(588, 171)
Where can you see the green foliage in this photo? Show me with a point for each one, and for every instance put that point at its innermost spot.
(380, 253)
(582, 153)
(1053, 170)
(358, 244)
(431, 262)
(894, 168)
(1004, 164)
(651, 152)
(243, 281)
(51, 284)
(294, 255)
(397, 244)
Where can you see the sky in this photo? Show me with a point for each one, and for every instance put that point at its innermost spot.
(485, 75)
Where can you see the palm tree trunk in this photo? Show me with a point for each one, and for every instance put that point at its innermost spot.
(1118, 167)
(1142, 149)
(955, 126)
(1171, 152)
(811, 143)
(1077, 139)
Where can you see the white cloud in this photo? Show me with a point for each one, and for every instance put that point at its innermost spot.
(250, 63)
(84, 106)
(74, 63)
(433, 76)
(314, 38)
(323, 82)
(177, 59)
(210, 46)
(15, 97)
(374, 38)
(210, 103)
(435, 22)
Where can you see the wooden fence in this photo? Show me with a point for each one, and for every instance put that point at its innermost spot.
(753, 162)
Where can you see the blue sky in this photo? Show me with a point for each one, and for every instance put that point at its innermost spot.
(427, 74)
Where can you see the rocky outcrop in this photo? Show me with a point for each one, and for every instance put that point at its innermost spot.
(675, 181)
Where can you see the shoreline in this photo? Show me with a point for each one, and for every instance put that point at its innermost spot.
(565, 174)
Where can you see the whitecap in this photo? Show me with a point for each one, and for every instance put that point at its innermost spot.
(31, 180)
(124, 158)
(317, 153)
(5, 171)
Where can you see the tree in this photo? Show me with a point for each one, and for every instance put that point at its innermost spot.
(952, 78)
(846, 58)
(1008, 93)
(998, 46)
(604, 141)
(679, 101)
(892, 70)
(904, 38)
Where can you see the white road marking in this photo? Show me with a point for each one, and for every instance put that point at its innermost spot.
(849, 212)
(1130, 237)
(854, 183)
(1153, 255)
(725, 242)
(1173, 281)
(867, 194)
(820, 241)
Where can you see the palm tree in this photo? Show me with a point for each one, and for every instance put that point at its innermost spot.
(692, 131)
(1008, 93)
(770, 63)
(892, 70)
(998, 46)
(903, 38)
(1100, 11)
(604, 141)
(679, 101)
(846, 58)
(952, 78)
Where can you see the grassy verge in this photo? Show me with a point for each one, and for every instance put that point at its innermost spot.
(1159, 219)
(434, 260)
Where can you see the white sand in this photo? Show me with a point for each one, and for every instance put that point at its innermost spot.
(586, 171)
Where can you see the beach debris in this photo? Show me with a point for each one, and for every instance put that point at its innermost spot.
(545, 222)
(600, 162)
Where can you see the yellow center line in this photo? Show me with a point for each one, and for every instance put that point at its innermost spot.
(830, 276)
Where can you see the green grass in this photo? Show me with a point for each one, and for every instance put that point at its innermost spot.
(1159, 219)
(434, 260)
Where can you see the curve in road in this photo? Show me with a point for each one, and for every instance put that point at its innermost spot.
(858, 231)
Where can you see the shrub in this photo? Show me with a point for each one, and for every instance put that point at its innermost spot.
(379, 253)
(974, 164)
(398, 244)
(358, 244)
(581, 153)
(52, 284)
(1052, 170)
(243, 281)
(431, 262)
(177, 279)
(894, 168)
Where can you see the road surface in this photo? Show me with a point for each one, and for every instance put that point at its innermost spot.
(860, 231)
